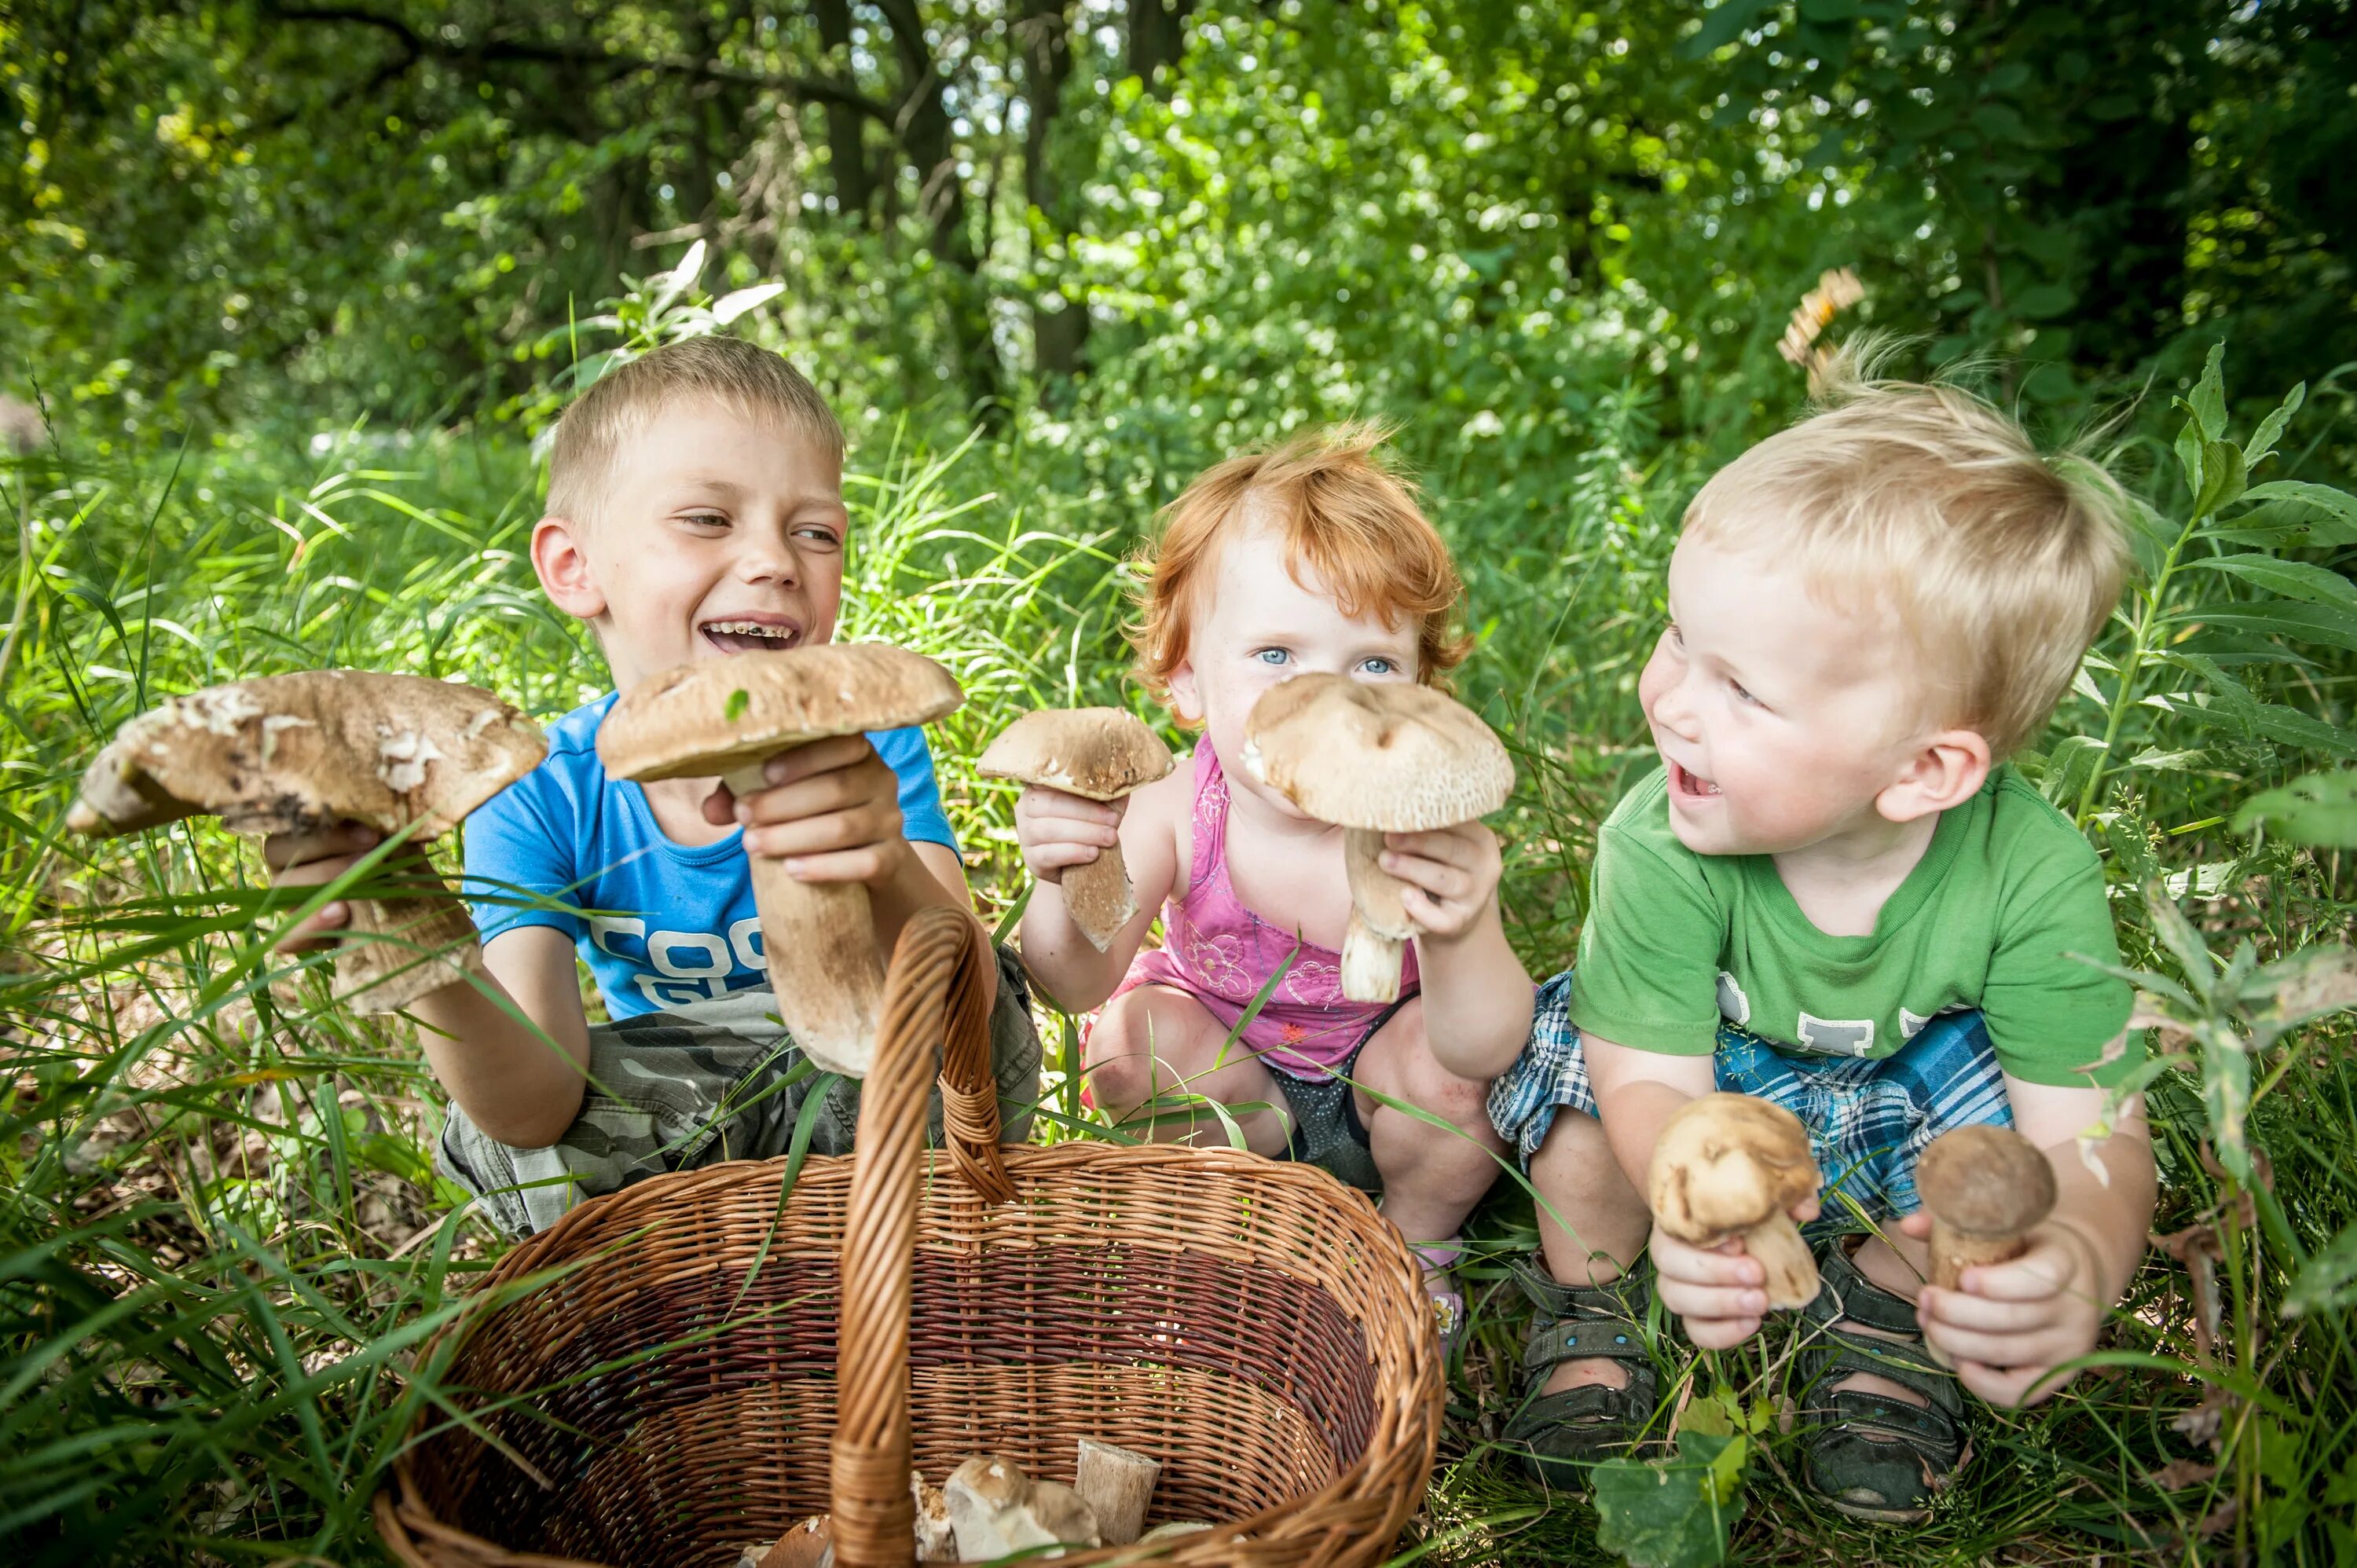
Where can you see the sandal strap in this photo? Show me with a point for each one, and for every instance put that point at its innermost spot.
(1590, 1405)
(1833, 1349)
(1627, 1298)
(1577, 1339)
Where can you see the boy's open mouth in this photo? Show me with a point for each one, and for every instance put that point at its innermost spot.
(1687, 785)
(746, 634)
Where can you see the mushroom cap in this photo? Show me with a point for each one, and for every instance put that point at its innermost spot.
(1386, 755)
(294, 753)
(1726, 1162)
(718, 715)
(1100, 753)
(992, 1480)
(1985, 1181)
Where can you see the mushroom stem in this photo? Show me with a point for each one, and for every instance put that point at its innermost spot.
(1955, 1251)
(1118, 1486)
(1374, 944)
(819, 941)
(400, 948)
(1098, 897)
(1791, 1272)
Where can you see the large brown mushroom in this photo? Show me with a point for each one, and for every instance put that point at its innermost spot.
(1376, 758)
(1730, 1165)
(727, 717)
(996, 1510)
(1101, 753)
(300, 753)
(1985, 1187)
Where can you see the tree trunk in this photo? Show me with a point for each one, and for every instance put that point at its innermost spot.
(846, 147)
(924, 118)
(1058, 330)
(1158, 38)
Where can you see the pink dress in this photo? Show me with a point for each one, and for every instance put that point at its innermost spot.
(1221, 953)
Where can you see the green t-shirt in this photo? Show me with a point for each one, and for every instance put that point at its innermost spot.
(1676, 941)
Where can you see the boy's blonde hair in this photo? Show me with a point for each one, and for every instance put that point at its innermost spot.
(751, 381)
(1344, 512)
(1925, 504)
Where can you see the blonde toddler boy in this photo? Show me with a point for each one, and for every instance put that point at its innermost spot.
(1837, 896)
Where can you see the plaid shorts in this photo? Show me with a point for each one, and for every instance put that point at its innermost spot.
(1868, 1120)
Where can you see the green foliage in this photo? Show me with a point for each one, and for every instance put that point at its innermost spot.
(2321, 809)
(1676, 1513)
(298, 284)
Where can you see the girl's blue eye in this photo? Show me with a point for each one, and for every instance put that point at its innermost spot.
(1271, 656)
(1743, 696)
(1378, 667)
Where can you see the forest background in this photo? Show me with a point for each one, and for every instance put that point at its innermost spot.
(294, 288)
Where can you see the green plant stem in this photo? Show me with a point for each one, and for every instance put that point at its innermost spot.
(2124, 698)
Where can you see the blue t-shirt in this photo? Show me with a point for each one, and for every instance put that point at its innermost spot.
(662, 925)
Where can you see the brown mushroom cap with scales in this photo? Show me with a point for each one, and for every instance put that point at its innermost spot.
(299, 754)
(1375, 757)
(1732, 1165)
(1101, 753)
(727, 717)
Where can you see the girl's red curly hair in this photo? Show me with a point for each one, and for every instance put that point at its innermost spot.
(1345, 514)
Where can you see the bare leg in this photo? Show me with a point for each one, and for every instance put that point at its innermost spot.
(1603, 1226)
(1432, 1176)
(1158, 1040)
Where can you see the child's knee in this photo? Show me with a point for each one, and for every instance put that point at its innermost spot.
(1115, 1055)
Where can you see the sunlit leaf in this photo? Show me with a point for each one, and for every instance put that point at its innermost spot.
(2321, 809)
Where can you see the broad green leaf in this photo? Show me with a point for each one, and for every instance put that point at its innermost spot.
(2290, 993)
(2222, 477)
(2261, 443)
(2044, 302)
(2320, 810)
(2337, 522)
(2292, 579)
(2226, 1096)
(2183, 942)
(1672, 1513)
(2284, 726)
(2327, 624)
(2208, 401)
(2328, 1284)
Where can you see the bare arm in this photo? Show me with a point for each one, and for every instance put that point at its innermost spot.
(1477, 996)
(1637, 1092)
(1059, 831)
(1721, 1292)
(519, 1080)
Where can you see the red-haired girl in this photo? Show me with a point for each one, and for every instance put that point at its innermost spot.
(1313, 557)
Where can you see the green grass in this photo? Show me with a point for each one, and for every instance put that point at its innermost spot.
(223, 1246)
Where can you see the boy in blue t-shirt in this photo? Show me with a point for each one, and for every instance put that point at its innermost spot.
(694, 510)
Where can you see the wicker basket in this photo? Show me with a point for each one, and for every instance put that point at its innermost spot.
(1253, 1324)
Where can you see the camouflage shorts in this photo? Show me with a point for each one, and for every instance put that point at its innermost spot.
(679, 1090)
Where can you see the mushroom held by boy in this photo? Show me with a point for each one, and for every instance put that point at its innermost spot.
(1733, 1165)
(1098, 754)
(1376, 758)
(728, 717)
(303, 753)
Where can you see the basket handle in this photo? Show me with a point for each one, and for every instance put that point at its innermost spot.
(939, 990)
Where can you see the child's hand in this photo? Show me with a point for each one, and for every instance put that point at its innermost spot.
(1720, 1293)
(1058, 831)
(2011, 1323)
(831, 813)
(1451, 875)
(306, 860)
